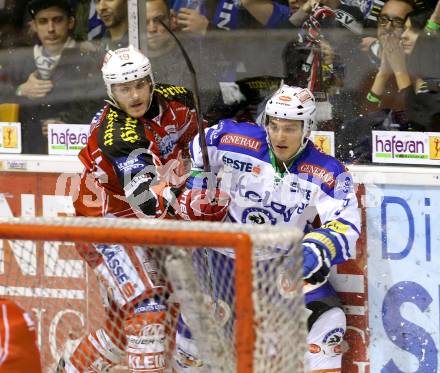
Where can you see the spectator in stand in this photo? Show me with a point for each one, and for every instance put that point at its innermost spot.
(227, 15)
(159, 40)
(272, 14)
(53, 81)
(372, 11)
(232, 15)
(114, 15)
(95, 26)
(192, 16)
(12, 23)
(421, 43)
(163, 53)
(384, 90)
(195, 15)
(324, 55)
(413, 59)
(384, 104)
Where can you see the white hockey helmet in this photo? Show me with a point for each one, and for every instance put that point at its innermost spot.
(125, 65)
(293, 103)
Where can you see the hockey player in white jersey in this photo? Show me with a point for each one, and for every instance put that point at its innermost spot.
(275, 175)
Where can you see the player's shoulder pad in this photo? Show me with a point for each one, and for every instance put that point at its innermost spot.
(175, 93)
(99, 117)
(322, 167)
(228, 132)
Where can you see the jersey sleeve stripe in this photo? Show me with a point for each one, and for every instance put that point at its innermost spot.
(344, 243)
(356, 229)
(323, 238)
(339, 230)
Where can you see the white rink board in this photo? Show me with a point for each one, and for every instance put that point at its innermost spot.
(403, 238)
(412, 279)
(397, 175)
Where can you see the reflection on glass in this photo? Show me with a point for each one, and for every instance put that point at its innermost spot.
(370, 68)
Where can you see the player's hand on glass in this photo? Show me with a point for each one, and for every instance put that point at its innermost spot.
(316, 263)
(190, 20)
(200, 204)
(35, 88)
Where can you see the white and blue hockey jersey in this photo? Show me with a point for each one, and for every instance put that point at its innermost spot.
(261, 193)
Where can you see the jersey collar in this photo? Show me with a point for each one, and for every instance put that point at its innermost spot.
(280, 171)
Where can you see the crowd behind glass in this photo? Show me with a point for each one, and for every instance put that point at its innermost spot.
(371, 65)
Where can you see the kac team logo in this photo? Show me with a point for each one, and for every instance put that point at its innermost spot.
(255, 215)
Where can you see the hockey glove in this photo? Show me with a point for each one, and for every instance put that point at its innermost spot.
(194, 204)
(316, 263)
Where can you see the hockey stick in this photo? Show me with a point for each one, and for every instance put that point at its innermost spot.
(204, 149)
(196, 96)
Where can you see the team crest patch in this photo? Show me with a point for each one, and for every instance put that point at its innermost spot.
(241, 141)
(331, 343)
(322, 173)
(256, 215)
(334, 337)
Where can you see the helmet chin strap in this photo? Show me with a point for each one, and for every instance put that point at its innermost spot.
(304, 141)
(113, 102)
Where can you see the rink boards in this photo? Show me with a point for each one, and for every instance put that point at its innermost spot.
(390, 289)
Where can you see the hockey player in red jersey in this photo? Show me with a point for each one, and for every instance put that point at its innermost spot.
(134, 168)
(142, 125)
